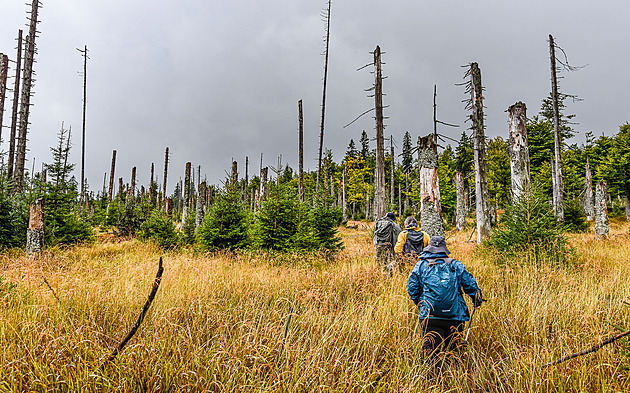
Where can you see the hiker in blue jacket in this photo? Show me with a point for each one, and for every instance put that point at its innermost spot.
(435, 285)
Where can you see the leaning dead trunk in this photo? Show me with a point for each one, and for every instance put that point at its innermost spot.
(430, 209)
(519, 152)
(35, 231)
(481, 174)
(461, 210)
(4, 70)
(381, 207)
(588, 191)
(601, 210)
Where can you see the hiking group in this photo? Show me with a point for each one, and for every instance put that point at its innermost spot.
(436, 283)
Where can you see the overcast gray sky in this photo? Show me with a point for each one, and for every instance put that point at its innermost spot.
(217, 79)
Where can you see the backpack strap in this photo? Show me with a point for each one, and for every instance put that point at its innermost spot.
(434, 261)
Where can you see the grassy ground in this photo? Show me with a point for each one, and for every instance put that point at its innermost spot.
(218, 322)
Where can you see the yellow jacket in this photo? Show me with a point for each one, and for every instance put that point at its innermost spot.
(402, 239)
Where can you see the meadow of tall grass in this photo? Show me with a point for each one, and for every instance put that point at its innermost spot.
(275, 322)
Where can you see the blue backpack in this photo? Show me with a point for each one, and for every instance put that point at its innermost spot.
(440, 288)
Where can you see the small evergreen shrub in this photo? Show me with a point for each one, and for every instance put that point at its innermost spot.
(13, 221)
(226, 223)
(574, 217)
(160, 229)
(528, 226)
(325, 221)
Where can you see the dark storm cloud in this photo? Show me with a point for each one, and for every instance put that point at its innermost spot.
(216, 80)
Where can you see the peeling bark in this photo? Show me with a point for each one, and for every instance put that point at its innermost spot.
(588, 191)
(16, 100)
(35, 231)
(519, 151)
(430, 208)
(201, 205)
(263, 182)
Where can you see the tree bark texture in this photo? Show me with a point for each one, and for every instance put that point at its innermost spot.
(321, 134)
(16, 100)
(430, 208)
(185, 210)
(201, 206)
(588, 192)
(601, 210)
(481, 173)
(4, 70)
(35, 231)
(165, 176)
(461, 209)
(519, 151)
(234, 178)
(381, 207)
(263, 182)
(27, 83)
(85, 57)
(559, 183)
(344, 193)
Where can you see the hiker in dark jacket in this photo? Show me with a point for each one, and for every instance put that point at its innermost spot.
(435, 285)
(386, 232)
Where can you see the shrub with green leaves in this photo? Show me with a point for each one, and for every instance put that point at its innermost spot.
(529, 226)
(13, 221)
(325, 221)
(226, 223)
(160, 229)
(574, 217)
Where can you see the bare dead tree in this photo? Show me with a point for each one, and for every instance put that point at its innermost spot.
(234, 177)
(201, 205)
(393, 168)
(27, 84)
(165, 176)
(16, 100)
(558, 183)
(481, 174)
(132, 191)
(588, 192)
(263, 182)
(84, 53)
(381, 206)
(4, 70)
(111, 178)
(461, 209)
(186, 200)
(601, 210)
(518, 150)
(35, 231)
(301, 148)
(321, 133)
(344, 190)
(430, 208)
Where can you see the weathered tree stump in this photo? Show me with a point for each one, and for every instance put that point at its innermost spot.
(519, 151)
(601, 210)
(430, 208)
(35, 231)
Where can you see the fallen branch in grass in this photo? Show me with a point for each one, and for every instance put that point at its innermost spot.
(607, 341)
(286, 332)
(145, 308)
(51, 289)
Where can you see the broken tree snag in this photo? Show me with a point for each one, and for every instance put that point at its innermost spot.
(601, 210)
(430, 209)
(263, 182)
(558, 183)
(627, 203)
(35, 231)
(165, 175)
(14, 110)
(185, 211)
(201, 206)
(344, 195)
(4, 69)
(481, 173)
(234, 177)
(132, 191)
(379, 191)
(111, 178)
(588, 192)
(143, 312)
(519, 151)
(301, 148)
(393, 167)
(461, 210)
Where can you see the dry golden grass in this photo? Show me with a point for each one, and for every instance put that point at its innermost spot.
(218, 321)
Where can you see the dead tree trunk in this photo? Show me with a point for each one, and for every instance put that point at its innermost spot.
(234, 178)
(344, 195)
(400, 212)
(121, 188)
(430, 208)
(601, 210)
(558, 181)
(186, 199)
(588, 191)
(461, 210)
(381, 206)
(132, 190)
(4, 70)
(165, 175)
(111, 178)
(263, 183)
(27, 83)
(481, 173)
(519, 151)
(85, 57)
(14, 114)
(245, 193)
(321, 134)
(301, 148)
(627, 203)
(393, 168)
(35, 231)
(201, 206)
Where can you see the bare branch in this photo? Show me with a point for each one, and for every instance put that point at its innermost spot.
(362, 114)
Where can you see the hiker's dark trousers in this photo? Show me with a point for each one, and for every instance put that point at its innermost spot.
(439, 335)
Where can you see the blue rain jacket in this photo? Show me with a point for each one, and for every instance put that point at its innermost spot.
(467, 283)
